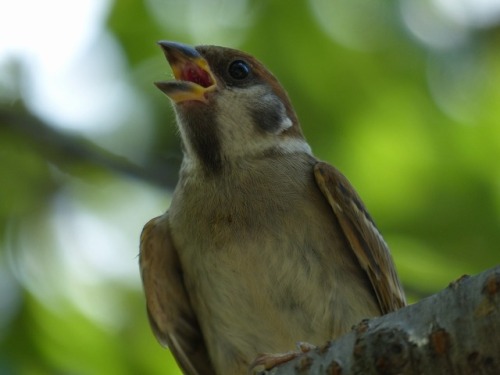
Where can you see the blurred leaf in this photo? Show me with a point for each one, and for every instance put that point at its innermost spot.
(137, 33)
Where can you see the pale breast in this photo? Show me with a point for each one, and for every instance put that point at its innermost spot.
(265, 262)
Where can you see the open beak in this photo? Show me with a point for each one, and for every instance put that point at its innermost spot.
(193, 77)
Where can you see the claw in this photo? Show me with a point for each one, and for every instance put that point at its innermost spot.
(268, 361)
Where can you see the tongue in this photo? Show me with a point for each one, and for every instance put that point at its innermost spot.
(193, 73)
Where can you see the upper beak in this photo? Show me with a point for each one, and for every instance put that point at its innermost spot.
(194, 79)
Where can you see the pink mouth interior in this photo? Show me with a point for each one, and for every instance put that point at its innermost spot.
(195, 74)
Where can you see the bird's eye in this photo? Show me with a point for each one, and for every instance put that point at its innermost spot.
(239, 69)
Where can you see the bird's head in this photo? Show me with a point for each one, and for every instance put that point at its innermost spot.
(229, 107)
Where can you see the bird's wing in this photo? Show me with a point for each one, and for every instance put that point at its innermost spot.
(171, 316)
(363, 236)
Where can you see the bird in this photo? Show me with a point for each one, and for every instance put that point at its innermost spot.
(263, 245)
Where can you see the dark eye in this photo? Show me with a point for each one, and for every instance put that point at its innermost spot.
(239, 69)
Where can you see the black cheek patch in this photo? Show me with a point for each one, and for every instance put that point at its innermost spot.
(269, 115)
(267, 119)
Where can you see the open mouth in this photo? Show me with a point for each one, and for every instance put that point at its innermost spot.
(194, 78)
(193, 73)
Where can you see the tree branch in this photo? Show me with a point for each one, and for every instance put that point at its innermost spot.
(63, 149)
(456, 331)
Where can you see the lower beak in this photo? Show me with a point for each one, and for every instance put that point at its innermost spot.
(193, 77)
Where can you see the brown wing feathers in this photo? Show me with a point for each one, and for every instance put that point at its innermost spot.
(169, 310)
(363, 236)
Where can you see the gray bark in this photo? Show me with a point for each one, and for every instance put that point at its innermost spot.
(456, 331)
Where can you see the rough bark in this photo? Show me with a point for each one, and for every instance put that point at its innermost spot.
(456, 331)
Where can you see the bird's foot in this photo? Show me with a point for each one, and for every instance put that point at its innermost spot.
(267, 361)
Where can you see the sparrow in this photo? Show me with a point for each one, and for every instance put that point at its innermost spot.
(263, 245)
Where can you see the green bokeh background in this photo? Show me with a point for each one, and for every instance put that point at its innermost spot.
(405, 101)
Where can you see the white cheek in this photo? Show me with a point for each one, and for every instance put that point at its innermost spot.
(237, 130)
(294, 145)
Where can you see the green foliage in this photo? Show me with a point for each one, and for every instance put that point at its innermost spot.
(415, 128)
